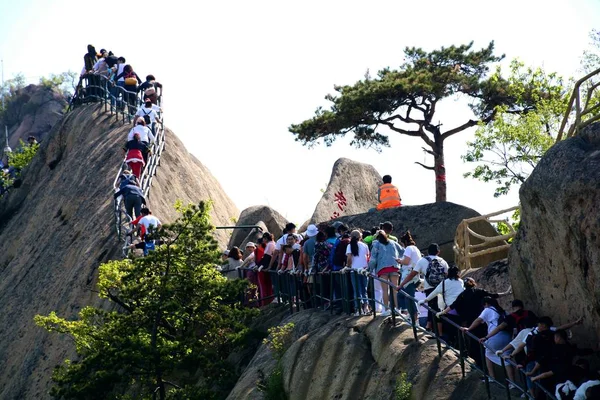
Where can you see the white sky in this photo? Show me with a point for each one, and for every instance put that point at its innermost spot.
(238, 73)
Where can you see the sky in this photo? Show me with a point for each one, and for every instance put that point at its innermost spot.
(237, 74)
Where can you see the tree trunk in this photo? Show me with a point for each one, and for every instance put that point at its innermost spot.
(440, 171)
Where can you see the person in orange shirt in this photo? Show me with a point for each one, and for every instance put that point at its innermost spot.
(388, 194)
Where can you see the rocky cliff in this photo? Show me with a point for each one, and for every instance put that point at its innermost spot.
(58, 227)
(33, 111)
(555, 257)
(358, 358)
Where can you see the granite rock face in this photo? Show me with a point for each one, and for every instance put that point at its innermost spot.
(555, 257)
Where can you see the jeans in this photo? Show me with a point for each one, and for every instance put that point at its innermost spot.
(406, 304)
(359, 285)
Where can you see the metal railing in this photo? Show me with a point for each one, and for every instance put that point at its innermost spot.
(120, 102)
(290, 289)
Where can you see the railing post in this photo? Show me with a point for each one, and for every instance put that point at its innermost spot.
(506, 383)
(331, 296)
(372, 299)
(461, 347)
(485, 371)
(437, 333)
(392, 302)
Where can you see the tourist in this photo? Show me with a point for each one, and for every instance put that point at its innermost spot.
(146, 136)
(234, 260)
(408, 263)
(133, 198)
(384, 262)
(321, 268)
(434, 269)
(149, 114)
(449, 289)
(388, 228)
(134, 157)
(308, 253)
(388, 195)
(491, 315)
(290, 228)
(423, 312)
(263, 259)
(357, 254)
(150, 89)
(130, 83)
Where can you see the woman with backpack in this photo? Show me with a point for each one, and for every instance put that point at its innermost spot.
(384, 262)
(450, 288)
(492, 315)
(131, 81)
(135, 155)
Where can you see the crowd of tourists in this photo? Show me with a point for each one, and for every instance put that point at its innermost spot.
(110, 78)
(343, 258)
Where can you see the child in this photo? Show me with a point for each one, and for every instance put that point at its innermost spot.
(423, 312)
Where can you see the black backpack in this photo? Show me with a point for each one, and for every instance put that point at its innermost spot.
(339, 255)
(435, 273)
(147, 119)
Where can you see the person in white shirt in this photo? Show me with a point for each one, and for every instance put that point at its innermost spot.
(423, 312)
(149, 114)
(150, 222)
(434, 269)
(408, 262)
(145, 133)
(449, 289)
(357, 253)
(290, 228)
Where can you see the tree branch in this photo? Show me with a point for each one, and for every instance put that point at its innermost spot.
(460, 128)
(425, 166)
(428, 151)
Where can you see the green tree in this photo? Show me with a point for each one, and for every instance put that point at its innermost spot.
(65, 82)
(177, 321)
(507, 149)
(405, 101)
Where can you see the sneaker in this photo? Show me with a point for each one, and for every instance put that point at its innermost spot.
(356, 314)
(386, 313)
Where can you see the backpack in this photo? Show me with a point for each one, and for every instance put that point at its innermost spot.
(130, 79)
(321, 257)
(520, 320)
(147, 119)
(435, 273)
(339, 256)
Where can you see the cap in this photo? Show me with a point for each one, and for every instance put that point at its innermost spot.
(250, 244)
(226, 252)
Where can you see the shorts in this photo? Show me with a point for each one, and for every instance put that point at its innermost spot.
(388, 270)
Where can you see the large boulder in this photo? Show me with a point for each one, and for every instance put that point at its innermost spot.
(33, 111)
(428, 223)
(555, 257)
(352, 189)
(358, 358)
(495, 279)
(272, 220)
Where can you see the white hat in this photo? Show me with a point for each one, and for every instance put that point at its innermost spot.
(250, 244)
(226, 252)
(312, 230)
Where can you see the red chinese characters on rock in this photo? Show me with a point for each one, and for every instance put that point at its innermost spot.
(341, 202)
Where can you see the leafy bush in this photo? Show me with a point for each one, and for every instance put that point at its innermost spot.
(403, 390)
(279, 339)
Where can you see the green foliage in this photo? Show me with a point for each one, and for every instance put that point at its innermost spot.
(507, 149)
(65, 82)
(177, 321)
(19, 159)
(404, 100)
(9, 93)
(273, 387)
(279, 339)
(403, 390)
(503, 227)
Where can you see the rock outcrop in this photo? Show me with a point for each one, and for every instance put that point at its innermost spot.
(58, 227)
(555, 257)
(33, 111)
(271, 219)
(352, 189)
(428, 223)
(358, 358)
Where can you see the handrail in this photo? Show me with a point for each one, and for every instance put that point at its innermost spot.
(108, 93)
(293, 297)
(578, 125)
